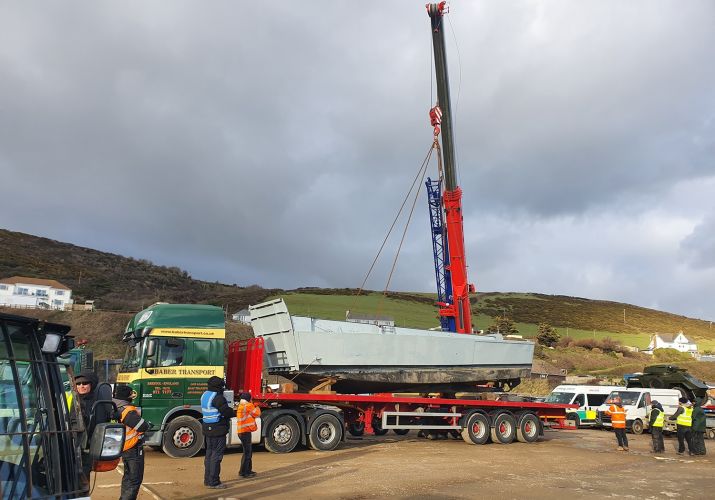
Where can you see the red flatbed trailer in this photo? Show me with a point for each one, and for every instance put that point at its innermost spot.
(320, 420)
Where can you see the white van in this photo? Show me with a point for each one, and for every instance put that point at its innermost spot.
(636, 402)
(587, 397)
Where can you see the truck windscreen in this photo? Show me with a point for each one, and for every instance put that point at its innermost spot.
(132, 358)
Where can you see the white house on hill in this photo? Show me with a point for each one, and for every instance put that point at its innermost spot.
(677, 341)
(19, 291)
(242, 316)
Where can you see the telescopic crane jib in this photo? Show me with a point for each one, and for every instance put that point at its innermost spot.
(448, 236)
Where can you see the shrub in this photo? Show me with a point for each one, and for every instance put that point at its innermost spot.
(671, 355)
(547, 335)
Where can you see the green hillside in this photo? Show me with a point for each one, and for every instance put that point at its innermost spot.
(125, 284)
(573, 317)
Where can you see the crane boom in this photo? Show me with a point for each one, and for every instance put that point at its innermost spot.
(456, 307)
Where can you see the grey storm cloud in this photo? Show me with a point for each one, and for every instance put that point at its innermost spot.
(273, 143)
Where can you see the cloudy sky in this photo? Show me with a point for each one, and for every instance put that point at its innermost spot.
(272, 143)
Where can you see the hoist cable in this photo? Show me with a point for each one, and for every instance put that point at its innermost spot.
(394, 222)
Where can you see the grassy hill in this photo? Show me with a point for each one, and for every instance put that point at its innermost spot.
(115, 282)
(123, 285)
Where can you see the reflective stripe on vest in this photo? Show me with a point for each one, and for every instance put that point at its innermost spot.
(245, 416)
(210, 413)
(132, 435)
(686, 418)
(659, 419)
(618, 416)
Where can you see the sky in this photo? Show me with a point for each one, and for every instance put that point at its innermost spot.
(273, 143)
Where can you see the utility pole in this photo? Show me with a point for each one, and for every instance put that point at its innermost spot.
(624, 315)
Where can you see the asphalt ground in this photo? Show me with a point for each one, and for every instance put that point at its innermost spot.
(563, 464)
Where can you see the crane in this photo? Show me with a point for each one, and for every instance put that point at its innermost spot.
(445, 203)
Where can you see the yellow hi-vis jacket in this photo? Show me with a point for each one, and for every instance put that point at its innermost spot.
(246, 414)
(686, 418)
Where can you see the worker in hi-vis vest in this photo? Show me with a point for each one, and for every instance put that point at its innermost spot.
(684, 421)
(618, 421)
(216, 422)
(656, 422)
(247, 413)
(133, 451)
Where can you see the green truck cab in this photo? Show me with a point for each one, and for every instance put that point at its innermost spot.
(172, 350)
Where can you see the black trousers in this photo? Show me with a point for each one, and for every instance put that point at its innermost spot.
(247, 459)
(215, 447)
(133, 460)
(656, 433)
(698, 440)
(684, 436)
(621, 437)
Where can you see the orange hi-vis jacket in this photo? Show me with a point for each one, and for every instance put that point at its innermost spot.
(618, 416)
(132, 435)
(246, 415)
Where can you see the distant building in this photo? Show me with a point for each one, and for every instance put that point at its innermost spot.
(242, 316)
(542, 370)
(676, 341)
(352, 317)
(31, 293)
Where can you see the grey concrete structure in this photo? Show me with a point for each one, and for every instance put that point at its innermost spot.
(369, 358)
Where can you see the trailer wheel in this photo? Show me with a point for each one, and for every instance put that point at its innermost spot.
(356, 428)
(711, 433)
(183, 437)
(401, 432)
(477, 429)
(325, 433)
(528, 429)
(282, 435)
(377, 427)
(504, 430)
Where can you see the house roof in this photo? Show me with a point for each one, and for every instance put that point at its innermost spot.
(670, 337)
(242, 312)
(666, 337)
(14, 280)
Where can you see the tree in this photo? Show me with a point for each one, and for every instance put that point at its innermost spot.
(503, 325)
(547, 335)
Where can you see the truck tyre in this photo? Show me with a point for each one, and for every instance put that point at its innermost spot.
(477, 429)
(504, 430)
(527, 429)
(377, 427)
(325, 433)
(637, 427)
(356, 429)
(282, 435)
(401, 432)
(183, 437)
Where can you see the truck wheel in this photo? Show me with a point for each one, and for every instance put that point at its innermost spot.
(401, 432)
(637, 427)
(183, 437)
(527, 430)
(477, 429)
(325, 433)
(504, 430)
(356, 428)
(377, 427)
(282, 435)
